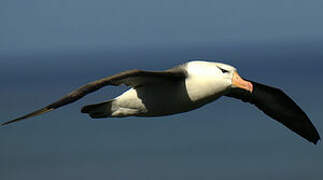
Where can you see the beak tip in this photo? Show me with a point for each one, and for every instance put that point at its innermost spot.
(238, 82)
(250, 86)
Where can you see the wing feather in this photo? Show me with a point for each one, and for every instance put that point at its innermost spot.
(131, 78)
(276, 104)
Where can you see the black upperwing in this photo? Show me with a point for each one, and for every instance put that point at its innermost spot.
(132, 78)
(276, 104)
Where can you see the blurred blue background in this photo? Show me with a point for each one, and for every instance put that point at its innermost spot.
(49, 48)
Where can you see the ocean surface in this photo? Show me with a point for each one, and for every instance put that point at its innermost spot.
(226, 139)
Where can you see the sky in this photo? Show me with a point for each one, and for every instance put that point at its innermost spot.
(49, 48)
(61, 25)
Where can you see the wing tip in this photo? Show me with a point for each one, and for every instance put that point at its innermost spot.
(316, 141)
(35, 113)
(9, 122)
(313, 135)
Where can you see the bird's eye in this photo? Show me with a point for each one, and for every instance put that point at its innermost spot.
(223, 70)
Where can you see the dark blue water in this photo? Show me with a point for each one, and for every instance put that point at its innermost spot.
(226, 139)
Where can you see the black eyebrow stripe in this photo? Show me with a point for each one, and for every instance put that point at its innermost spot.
(223, 70)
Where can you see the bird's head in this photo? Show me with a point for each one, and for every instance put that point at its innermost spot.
(230, 73)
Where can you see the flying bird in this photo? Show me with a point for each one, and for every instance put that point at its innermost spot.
(184, 88)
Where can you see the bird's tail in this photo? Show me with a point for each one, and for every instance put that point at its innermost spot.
(100, 110)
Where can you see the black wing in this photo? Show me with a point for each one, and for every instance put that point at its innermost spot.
(131, 78)
(276, 104)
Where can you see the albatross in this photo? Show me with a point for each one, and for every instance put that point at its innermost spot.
(184, 88)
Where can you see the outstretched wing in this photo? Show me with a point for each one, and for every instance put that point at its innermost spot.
(133, 78)
(276, 104)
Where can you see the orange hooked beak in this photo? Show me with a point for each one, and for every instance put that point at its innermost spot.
(238, 82)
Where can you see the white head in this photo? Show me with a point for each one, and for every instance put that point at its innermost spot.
(224, 73)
